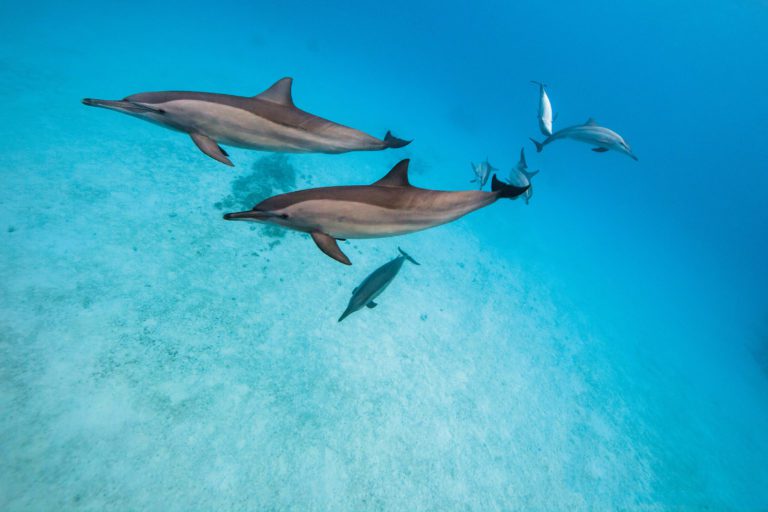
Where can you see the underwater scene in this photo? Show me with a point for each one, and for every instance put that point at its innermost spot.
(386, 256)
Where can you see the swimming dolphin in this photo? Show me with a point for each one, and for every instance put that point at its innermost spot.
(545, 110)
(520, 176)
(268, 121)
(482, 172)
(590, 132)
(388, 207)
(374, 284)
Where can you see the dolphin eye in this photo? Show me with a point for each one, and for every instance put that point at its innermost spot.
(284, 216)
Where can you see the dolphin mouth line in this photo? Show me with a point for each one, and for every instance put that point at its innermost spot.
(130, 106)
(254, 215)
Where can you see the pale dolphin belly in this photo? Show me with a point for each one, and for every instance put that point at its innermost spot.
(241, 128)
(350, 219)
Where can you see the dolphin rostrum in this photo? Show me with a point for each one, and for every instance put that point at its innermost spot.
(268, 121)
(374, 284)
(520, 176)
(590, 132)
(482, 172)
(388, 207)
(545, 110)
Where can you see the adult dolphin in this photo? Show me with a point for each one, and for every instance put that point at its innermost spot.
(545, 110)
(268, 121)
(520, 176)
(388, 207)
(590, 132)
(374, 284)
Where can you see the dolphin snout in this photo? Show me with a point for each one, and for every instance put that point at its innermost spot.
(89, 101)
(238, 215)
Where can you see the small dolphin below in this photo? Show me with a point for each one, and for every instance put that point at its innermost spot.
(268, 122)
(482, 172)
(590, 132)
(520, 176)
(374, 284)
(545, 110)
(389, 207)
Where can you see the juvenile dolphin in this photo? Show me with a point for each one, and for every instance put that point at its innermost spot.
(590, 132)
(545, 109)
(482, 172)
(520, 176)
(268, 121)
(388, 207)
(374, 284)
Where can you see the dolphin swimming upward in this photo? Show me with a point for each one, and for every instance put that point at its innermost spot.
(590, 132)
(268, 121)
(388, 207)
(482, 172)
(520, 176)
(545, 110)
(374, 284)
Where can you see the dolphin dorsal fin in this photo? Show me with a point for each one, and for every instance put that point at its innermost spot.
(591, 122)
(279, 93)
(522, 163)
(397, 177)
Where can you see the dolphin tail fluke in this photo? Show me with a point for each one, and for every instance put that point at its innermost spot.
(408, 257)
(539, 145)
(506, 190)
(390, 141)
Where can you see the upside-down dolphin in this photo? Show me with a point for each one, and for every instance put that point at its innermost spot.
(482, 172)
(545, 109)
(590, 132)
(374, 284)
(268, 121)
(520, 176)
(388, 207)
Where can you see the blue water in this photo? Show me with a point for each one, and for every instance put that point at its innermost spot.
(604, 348)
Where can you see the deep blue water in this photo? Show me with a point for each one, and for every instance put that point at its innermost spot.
(604, 348)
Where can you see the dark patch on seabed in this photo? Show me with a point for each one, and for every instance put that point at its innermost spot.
(270, 175)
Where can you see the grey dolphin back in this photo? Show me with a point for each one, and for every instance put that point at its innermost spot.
(408, 257)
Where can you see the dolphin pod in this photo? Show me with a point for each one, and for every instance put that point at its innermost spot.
(375, 283)
(391, 206)
(268, 121)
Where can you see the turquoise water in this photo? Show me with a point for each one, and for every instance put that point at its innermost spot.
(604, 348)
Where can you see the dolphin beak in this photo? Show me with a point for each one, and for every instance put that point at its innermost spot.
(632, 155)
(130, 107)
(110, 104)
(249, 215)
(344, 315)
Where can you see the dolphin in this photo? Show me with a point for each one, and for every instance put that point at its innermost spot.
(590, 132)
(389, 207)
(374, 284)
(545, 110)
(520, 176)
(268, 121)
(482, 172)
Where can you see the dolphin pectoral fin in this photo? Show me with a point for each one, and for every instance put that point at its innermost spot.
(599, 150)
(371, 305)
(328, 245)
(208, 146)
